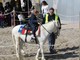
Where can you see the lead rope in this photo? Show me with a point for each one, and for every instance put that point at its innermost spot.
(46, 29)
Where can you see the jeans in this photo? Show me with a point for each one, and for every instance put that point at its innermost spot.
(51, 41)
(34, 29)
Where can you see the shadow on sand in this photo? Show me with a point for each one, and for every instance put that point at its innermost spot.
(59, 56)
(66, 49)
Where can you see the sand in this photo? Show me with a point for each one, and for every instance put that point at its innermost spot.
(67, 45)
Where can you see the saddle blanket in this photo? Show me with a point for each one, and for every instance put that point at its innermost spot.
(23, 30)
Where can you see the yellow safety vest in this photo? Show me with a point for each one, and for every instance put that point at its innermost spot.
(46, 18)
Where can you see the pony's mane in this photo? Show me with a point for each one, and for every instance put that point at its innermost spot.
(49, 22)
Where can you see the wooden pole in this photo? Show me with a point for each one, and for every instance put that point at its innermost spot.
(14, 17)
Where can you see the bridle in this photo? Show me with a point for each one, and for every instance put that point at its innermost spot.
(46, 29)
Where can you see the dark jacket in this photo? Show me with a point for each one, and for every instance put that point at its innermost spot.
(33, 19)
(1, 8)
(28, 4)
(52, 17)
(8, 8)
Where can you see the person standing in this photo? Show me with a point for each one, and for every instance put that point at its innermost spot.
(49, 17)
(26, 7)
(44, 8)
(1, 8)
(8, 10)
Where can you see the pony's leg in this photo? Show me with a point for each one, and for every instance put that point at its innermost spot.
(21, 47)
(18, 50)
(37, 55)
(17, 45)
(41, 47)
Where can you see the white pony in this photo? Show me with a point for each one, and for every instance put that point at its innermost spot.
(46, 29)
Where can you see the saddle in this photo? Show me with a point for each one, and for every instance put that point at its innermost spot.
(27, 30)
(23, 29)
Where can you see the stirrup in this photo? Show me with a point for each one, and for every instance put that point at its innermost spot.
(33, 39)
(26, 40)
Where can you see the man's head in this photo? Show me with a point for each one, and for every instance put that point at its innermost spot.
(51, 11)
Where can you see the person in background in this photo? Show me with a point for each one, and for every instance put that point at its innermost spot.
(26, 6)
(8, 9)
(1, 8)
(1, 15)
(44, 8)
(49, 17)
(17, 7)
(13, 3)
(1, 19)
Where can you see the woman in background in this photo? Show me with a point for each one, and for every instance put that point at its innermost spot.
(44, 8)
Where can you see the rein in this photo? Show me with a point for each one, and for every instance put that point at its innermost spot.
(46, 29)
